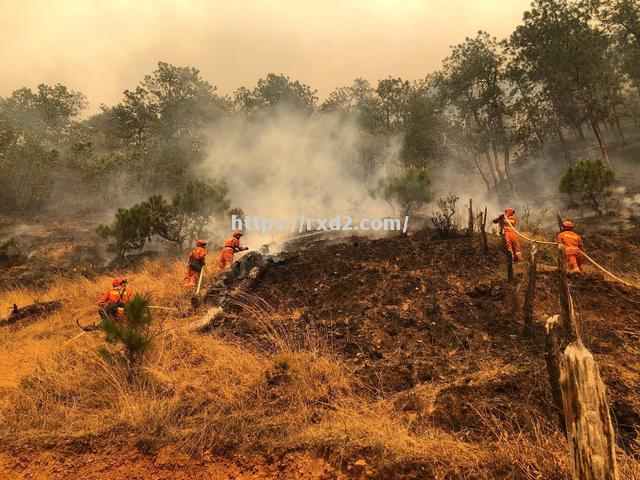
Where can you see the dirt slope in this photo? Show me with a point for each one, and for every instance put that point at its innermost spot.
(410, 310)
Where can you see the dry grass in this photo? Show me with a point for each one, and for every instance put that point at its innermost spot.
(202, 393)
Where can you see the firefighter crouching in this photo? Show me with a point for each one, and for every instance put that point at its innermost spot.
(112, 302)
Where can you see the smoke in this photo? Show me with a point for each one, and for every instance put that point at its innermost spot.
(291, 164)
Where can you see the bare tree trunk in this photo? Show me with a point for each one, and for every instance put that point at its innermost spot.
(484, 177)
(590, 433)
(496, 159)
(594, 126)
(492, 170)
(616, 119)
(530, 294)
(552, 359)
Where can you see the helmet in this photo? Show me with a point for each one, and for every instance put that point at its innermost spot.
(567, 225)
(509, 211)
(118, 281)
(201, 243)
(237, 233)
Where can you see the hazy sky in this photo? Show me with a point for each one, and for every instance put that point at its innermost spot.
(102, 47)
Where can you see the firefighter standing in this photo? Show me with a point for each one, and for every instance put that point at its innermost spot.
(112, 301)
(510, 236)
(572, 243)
(196, 264)
(231, 246)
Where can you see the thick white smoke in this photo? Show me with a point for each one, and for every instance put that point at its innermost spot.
(289, 164)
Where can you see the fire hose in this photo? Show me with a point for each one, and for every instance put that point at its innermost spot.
(596, 264)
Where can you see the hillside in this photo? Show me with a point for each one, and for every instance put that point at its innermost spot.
(401, 357)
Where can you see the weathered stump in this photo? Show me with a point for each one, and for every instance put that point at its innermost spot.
(470, 226)
(530, 294)
(552, 360)
(590, 433)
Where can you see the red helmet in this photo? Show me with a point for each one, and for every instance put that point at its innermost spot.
(237, 233)
(509, 211)
(201, 243)
(567, 225)
(118, 281)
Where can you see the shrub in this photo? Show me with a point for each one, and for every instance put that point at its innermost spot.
(409, 190)
(586, 183)
(443, 220)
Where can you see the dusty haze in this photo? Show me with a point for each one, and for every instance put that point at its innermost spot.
(103, 47)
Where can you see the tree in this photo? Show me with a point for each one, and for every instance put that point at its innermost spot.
(562, 49)
(409, 190)
(193, 209)
(133, 333)
(131, 230)
(587, 182)
(273, 91)
(186, 218)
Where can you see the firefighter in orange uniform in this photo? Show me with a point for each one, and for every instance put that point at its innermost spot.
(510, 236)
(112, 301)
(231, 246)
(196, 264)
(572, 243)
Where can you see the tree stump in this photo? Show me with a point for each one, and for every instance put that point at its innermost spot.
(590, 433)
(470, 226)
(552, 359)
(532, 274)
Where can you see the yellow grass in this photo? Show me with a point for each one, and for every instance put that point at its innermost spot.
(204, 393)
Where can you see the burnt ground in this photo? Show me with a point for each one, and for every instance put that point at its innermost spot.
(408, 311)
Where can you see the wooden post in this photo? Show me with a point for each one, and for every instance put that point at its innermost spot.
(559, 219)
(483, 231)
(509, 257)
(569, 317)
(590, 434)
(470, 225)
(530, 294)
(552, 359)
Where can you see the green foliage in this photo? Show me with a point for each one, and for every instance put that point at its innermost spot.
(443, 219)
(587, 183)
(409, 190)
(133, 333)
(132, 228)
(186, 218)
(273, 91)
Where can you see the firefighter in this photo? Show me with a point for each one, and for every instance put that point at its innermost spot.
(231, 246)
(510, 236)
(572, 243)
(196, 264)
(112, 301)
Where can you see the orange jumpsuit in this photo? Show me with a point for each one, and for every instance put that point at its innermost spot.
(510, 236)
(231, 246)
(112, 301)
(573, 248)
(196, 264)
